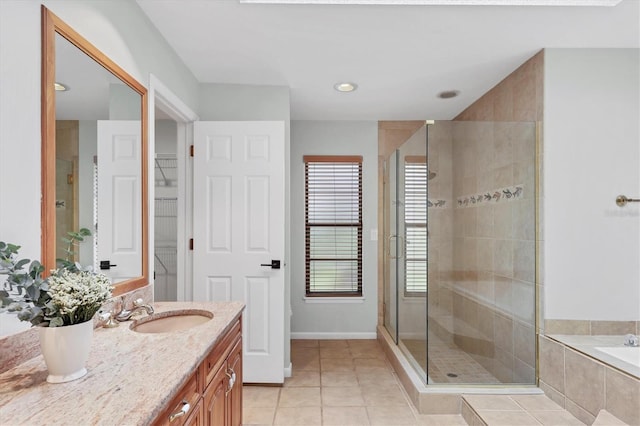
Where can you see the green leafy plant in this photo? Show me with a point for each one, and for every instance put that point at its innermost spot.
(70, 295)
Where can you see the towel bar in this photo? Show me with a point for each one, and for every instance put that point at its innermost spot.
(622, 200)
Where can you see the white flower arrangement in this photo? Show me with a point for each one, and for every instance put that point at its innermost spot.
(75, 296)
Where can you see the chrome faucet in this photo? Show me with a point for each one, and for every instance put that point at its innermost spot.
(138, 305)
(631, 340)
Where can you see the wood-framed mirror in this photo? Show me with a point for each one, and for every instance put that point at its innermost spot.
(94, 158)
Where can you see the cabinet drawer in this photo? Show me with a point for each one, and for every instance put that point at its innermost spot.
(183, 404)
(218, 355)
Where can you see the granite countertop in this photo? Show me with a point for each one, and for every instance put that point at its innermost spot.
(131, 376)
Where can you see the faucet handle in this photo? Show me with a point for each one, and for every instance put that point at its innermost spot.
(108, 320)
(138, 302)
(631, 340)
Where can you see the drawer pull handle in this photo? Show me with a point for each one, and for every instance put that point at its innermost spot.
(183, 411)
(232, 379)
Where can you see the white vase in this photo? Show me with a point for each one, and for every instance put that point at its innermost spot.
(65, 350)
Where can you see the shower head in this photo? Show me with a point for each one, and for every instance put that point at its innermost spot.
(431, 175)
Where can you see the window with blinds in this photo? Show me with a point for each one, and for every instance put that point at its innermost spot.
(333, 225)
(415, 218)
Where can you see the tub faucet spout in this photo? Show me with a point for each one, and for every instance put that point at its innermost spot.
(631, 340)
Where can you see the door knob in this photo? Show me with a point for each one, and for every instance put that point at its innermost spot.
(275, 264)
(106, 264)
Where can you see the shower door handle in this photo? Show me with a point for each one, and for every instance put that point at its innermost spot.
(401, 250)
(389, 247)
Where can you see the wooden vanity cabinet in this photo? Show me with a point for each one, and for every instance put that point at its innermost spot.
(214, 391)
(223, 394)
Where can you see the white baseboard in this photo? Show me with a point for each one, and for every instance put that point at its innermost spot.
(332, 336)
(288, 370)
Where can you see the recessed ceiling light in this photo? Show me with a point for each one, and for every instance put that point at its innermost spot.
(448, 94)
(345, 87)
(60, 87)
(447, 2)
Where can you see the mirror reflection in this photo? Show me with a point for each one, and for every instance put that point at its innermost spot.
(98, 164)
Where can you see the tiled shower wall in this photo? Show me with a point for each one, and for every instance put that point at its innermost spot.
(493, 279)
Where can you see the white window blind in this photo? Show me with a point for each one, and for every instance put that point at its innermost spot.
(333, 225)
(415, 217)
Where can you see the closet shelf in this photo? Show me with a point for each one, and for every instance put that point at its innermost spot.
(166, 168)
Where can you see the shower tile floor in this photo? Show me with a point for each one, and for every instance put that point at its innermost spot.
(447, 362)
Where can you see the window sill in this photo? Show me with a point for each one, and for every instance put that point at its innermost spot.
(333, 299)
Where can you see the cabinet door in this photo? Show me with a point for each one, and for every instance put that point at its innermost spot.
(215, 399)
(234, 397)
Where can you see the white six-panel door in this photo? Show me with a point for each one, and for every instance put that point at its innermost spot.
(119, 230)
(238, 226)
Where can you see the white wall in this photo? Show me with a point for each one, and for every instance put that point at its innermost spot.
(334, 138)
(121, 31)
(591, 154)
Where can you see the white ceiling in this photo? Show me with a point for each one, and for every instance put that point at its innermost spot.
(401, 57)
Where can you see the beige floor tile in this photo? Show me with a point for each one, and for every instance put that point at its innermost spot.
(342, 397)
(387, 416)
(556, 418)
(370, 343)
(441, 420)
(380, 377)
(298, 416)
(303, 343)
(311, 363)
(492, 402)
(258, 415)
(384, 395)
(343, 416)
(303, 378)
(336, 344)
(368, 363)
(300, 397)
(256, 396)
(336, 364)
(535, 402)
(363, 352)
(507, 418)
(339, 378)
(605, 418)
(298, 354)
(335, 353)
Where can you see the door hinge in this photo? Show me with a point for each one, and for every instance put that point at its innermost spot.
(190, 243)
(191, 151)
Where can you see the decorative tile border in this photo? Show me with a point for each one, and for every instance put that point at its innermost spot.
(436, 204)
(508, 193)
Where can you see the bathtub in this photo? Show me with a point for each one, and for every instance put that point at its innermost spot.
(626, 354)
(606, 349)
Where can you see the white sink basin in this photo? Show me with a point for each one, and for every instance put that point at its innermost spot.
(165, 322)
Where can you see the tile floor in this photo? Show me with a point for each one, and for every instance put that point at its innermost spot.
(511, 410)
(350, 382)
(337, 382)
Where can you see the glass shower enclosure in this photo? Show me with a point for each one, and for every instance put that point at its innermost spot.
(459, 251)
